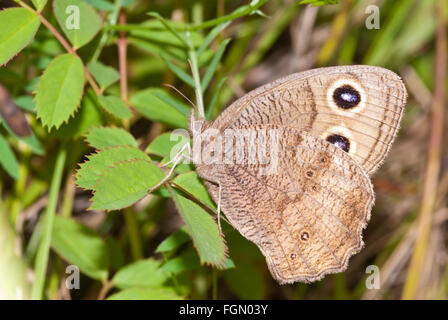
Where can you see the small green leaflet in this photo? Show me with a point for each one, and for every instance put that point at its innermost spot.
(144, 273)
(18, 27)
(39, 4)
(104, 75)
(78, 19)
(124, 184)
(7, 159)
(60, 90)
(115, 106)
(90, 171)
(80, 246)
(203, 230)
(104, 137)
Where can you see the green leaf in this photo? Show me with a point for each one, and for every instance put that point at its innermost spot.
(202, 229)
(191, 183)
(151, 106)
(80, 246)
(101, 5)
(125, 184)
(7, 159)
(18, 26)
(78, 19)
(167, 143)
(181, 74)
(146, 294)
(144, 273)
(115, 106)
(174, 241)
(213, 64)
(246, 281)
(39, 4)
(103, 137)
(25, 102)
(89, 115)
(186, 261)
(104, 75)
(89, 172)
(59, 90)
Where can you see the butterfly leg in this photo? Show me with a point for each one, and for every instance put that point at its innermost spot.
(176, 160)
(218, 209)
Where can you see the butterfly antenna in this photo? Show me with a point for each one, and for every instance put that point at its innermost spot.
(185, 97)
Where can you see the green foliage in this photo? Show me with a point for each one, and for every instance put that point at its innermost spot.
(90, 171)
(59, 91)
(66, 82)
(104, 137)
(8, 160)
(18, 27)
(115, 106)
(155, 104)
(124, 184)
(80, 246)
(69, 13)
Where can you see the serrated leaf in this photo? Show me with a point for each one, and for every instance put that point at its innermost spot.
(104, 137)
(80, 246)
(60, 90)
(146, 294)
(7, 159)
(174, 241)
(78, 19)
(104, 75)
(203, 230)
(192, 184)
(88, 116)
(88, 174)
(115, 106)
(144, 273)
(39, 4)
(167, 143)
(125, 184)
(18, 27)
(151, 106)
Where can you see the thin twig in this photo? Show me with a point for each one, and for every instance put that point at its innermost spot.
(122, 58)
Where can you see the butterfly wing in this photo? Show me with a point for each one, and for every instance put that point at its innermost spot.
(305, 209)
(357, 108)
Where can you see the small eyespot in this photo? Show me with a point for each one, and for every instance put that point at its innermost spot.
(314, 188)
(323, 160)
(293, 256)
(346, 97)
(304, 236)
(339, 141)
(309, 173)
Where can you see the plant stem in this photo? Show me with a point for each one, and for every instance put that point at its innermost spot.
(64, 43)
(197, 82)
(415, 273)
(44, 246)
(133, 234)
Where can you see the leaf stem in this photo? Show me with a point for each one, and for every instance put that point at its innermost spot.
(43, 251)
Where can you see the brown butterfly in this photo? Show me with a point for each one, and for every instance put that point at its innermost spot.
(322, 133)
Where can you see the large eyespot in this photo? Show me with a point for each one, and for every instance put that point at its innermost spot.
(346, 97)
(339, 141)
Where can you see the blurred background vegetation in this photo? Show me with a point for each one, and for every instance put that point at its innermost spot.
(407, 236)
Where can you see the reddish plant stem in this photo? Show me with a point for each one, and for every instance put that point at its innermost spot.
(122, 58)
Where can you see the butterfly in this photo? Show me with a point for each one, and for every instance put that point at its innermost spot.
(322, 133)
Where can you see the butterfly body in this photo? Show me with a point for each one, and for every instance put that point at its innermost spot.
(293, 160)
